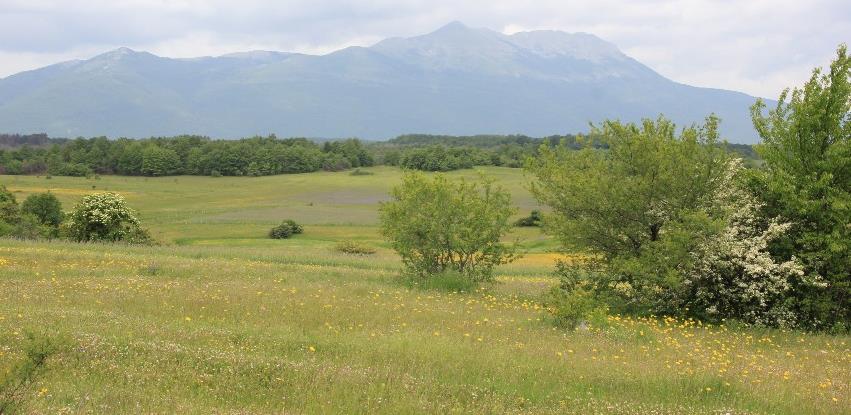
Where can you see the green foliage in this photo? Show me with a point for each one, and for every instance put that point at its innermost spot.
(575, 308)
(8, 205)
(439, 158)
(534, 219)
(638, 207)
(349, 152)
(806, 145)
(17, 382)
(286, 229)
(354, 248)
(159, 161)
(45, 207)
(103, 217)
(437, 225)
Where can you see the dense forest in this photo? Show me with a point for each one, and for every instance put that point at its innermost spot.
(261, 156)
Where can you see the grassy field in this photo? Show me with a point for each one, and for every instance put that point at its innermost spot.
(220, 319)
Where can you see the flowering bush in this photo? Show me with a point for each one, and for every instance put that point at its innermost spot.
(734, 276)
(104, 217)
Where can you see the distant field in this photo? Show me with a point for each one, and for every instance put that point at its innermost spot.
(221, 319)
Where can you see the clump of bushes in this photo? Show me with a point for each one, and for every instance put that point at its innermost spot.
(286, 229)
(354, 248)
(37, 218)
(99, 217)
(437, 225)
(534, 219)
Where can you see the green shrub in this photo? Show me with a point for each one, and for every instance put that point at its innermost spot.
(354, 248)
(45, 207)
(437, 225)
(534, 219)
(575, 308)
(286, 229)
(8, 206)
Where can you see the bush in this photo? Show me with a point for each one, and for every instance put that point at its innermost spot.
(534, 219)
(286, 229)
(437, 225)
(103, 217)
(640, 206)
(29, 227)
(45, 207)
(8, 206)
(354, 248)
(575, 308)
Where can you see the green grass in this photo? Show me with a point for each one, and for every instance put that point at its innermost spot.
(222, 319)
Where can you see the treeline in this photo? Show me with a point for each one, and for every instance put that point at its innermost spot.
(16, 140)
(190, 155)
(262, 156)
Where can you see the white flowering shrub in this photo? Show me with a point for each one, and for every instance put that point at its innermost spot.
(733, 274)
(104, 217)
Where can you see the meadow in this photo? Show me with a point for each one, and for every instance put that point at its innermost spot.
(222, 319)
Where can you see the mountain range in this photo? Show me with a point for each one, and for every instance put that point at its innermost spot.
(456, 80)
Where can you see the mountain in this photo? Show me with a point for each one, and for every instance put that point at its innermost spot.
(455, 80)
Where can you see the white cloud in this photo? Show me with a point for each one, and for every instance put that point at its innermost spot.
(757, 46)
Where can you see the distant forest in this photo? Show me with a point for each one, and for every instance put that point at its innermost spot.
(260, 156)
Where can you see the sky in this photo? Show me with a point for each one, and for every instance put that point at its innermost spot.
(754, 46)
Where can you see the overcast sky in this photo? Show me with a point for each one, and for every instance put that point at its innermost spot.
(755, 46)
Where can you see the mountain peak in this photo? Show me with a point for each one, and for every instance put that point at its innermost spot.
(122, 51)
(116, 54)
(453, 26)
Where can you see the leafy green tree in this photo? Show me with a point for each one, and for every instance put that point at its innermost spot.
(806, 145)
(638, 207)
(437, 225)
(45, 207)
(159, 161)
(104, 217)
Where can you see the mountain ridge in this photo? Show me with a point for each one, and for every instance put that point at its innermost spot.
(455, 80)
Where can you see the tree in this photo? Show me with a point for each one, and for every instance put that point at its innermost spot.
(806, 145)
(437, 225)
(637, 207)
(159, 161)
(104, 217)
(45, 207)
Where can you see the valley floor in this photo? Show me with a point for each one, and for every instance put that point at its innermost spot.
(222, 320)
